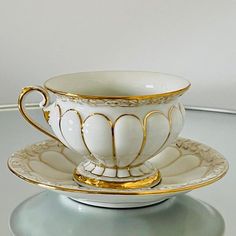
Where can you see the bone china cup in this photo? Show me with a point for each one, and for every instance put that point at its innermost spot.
(115, 120)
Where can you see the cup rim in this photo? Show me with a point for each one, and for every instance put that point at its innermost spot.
(176, 92)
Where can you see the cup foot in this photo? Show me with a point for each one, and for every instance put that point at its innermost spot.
(84, 176)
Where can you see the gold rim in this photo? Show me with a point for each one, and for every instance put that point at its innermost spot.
(142, 183)
(133, 97)
(106, 192)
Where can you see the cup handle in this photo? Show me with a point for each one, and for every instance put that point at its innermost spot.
(25, 91)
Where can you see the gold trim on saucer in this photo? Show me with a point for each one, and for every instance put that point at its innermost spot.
(109, 192)
(141, 183)
(17, 165)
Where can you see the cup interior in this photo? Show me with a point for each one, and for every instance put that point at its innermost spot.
(116, 84)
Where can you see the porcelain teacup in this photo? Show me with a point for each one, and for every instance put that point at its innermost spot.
(116, 120)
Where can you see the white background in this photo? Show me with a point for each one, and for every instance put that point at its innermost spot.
(195, 39)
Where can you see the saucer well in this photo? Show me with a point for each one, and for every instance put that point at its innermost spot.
(184, 166)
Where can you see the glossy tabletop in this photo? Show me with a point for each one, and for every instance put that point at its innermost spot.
(217, 130)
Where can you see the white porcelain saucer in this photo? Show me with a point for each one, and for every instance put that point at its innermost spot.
(185, 166)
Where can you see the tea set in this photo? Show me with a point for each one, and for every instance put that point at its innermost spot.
(115, 140)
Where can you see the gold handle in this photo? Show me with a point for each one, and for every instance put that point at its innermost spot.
(45, 102)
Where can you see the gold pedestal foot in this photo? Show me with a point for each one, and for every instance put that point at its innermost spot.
(141, 183)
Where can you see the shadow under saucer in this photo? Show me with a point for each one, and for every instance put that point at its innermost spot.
(50, 214)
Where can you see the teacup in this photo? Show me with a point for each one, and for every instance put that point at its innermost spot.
(116, 120)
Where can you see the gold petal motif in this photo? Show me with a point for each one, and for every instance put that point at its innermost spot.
(143, 123)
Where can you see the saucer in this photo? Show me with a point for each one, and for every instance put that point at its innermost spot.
(51, 214)
(184, 166)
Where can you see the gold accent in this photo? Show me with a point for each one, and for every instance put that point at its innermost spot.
(146, 182)
(46, 115)
(25, 91)
(107, 192)
(144, 125)
(169, 118)
(113, 137)
(128, 168)
(170, 127)
(59, 125)
(133, 192)
(113, 146)
(132, 97)
(82, 133)
(92, 158)
(112, 126)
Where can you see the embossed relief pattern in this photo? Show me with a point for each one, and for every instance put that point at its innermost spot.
(102, 141)
(208, 165)
(122, 102)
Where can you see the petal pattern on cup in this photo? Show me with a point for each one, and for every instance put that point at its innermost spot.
(71, 124)
(166, 157)
(176, 119)
(128, 134)
(181, 165)
(43, 169)
(57, 161)
(97, 132)
(182, 110)
(54, 122)
(157, 131)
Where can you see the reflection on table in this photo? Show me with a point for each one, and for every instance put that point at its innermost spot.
(51, 214)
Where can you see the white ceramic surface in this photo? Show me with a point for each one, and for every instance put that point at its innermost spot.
(185, 166)
(117, 120)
